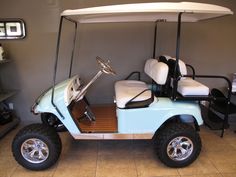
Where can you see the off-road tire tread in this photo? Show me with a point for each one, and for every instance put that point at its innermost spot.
(37, 130)
(170, 130)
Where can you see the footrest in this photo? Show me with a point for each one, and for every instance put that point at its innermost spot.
(212, 120)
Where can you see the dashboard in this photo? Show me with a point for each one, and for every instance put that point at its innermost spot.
(73, 89)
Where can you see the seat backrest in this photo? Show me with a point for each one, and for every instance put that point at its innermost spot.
(148, 65)
(164, 58)
(159, 73)
(181, 69)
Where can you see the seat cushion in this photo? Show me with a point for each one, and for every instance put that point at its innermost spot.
(190, 87)
(125, 90)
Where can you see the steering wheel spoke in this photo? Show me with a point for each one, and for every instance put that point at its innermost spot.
(105, 67)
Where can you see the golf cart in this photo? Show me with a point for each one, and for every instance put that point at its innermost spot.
(170, 115)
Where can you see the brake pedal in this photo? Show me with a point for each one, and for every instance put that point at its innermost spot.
(89, 114)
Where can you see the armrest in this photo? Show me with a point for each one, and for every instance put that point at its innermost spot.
(144, 103)
(138, 95)
(133, 73)
(216, 77)
(193, 70)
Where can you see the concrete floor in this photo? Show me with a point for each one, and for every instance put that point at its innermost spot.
(126, 159)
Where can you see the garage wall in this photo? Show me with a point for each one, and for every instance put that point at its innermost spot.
(209, 46)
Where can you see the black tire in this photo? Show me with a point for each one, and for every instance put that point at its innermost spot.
(52, 121)
(168, 137)
(41, 133)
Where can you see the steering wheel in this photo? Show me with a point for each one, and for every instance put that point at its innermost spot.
(105, 67)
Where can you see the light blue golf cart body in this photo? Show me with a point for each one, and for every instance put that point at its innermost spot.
(130, 121)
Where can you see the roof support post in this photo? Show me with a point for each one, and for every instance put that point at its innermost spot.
(175, 81)
(55, 66)
(57, 57)
(155, 40)
(73, 48)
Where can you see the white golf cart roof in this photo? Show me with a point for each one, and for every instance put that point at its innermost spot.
(150, 12)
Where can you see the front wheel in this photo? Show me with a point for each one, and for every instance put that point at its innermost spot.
(178, 145)
(36, 147)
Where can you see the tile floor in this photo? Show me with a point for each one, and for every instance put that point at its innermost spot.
(127, 159)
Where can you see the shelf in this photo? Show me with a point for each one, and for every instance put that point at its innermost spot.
(9, 126)
(6, 94)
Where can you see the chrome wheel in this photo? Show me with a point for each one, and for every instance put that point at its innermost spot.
(34, 150)
(180, 148)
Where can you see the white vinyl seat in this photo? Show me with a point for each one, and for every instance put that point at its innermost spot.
(127, 89)
(148, 66)
(138, 91)
(189, 86)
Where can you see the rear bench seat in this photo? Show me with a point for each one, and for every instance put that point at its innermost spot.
(186, 86)
(190, 87)
(127, 91)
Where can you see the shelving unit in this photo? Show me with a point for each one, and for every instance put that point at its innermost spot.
(4, 129)
(4, 95)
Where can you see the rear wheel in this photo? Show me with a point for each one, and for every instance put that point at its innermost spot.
(52, 121)
(178, 145)
(36, 147)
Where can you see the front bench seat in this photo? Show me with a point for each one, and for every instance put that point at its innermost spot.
(127, 89)
(138, 91)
